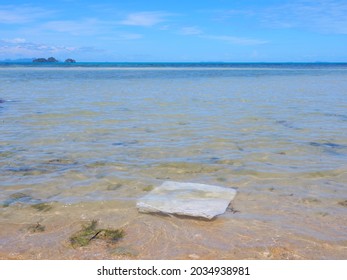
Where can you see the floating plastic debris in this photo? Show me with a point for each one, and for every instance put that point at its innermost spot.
(189, 199)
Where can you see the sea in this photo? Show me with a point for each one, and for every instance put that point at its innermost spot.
(84, 142)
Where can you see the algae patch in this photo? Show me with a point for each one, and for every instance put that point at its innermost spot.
(36, 228)
(42, 207)
(148, 188)
(110, 234)
(221, 179)
(85, 235)
(310, 200)
(61, 161)
(90, 231)
(6, 154)
(19, 195)
(113, 187)
(343, 203)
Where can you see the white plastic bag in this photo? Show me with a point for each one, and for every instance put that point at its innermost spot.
(189, 199)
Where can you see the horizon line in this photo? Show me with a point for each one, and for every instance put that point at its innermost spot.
(22, 60)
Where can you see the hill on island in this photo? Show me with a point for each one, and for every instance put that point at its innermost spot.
(52, 60)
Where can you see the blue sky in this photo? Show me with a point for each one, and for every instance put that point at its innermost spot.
(206, 30)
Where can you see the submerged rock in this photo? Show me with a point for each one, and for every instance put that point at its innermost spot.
(188, 199)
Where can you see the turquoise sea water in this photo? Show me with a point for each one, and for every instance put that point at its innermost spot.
(85, 135)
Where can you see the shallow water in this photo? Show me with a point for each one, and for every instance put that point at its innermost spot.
(90, 141)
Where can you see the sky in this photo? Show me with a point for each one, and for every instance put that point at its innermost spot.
(175, 30)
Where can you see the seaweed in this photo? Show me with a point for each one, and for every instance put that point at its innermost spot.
(89, 232)
(113, 187)
(42, 207)
(6, 154)
(19, 195)
(221, 179)
(85, 235)
(231, 209)
(343, 203)
(148, 188)
(36, 228)
(61, 161)
(111, 234)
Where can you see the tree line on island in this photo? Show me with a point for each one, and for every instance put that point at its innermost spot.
(52, 59)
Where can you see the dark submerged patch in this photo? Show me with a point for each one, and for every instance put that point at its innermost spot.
(90, 231)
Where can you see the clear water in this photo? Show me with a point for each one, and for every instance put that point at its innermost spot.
(90, 139)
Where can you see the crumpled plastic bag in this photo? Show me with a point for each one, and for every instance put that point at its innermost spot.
(188, 199)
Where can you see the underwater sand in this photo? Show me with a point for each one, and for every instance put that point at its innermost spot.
(89, 142)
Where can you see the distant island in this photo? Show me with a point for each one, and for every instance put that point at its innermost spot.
(52, 60)
(70, 60)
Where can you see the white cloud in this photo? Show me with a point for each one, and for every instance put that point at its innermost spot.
(235, 40)
(325, 16)
(80, 27)
(130, 36)
(15, 40)
(145, 19)
(196, 31)
(11, 14)
(165, 27)
(190, 30)
(322, 15)
(90, 27)
(221, 15)
(22, 48)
